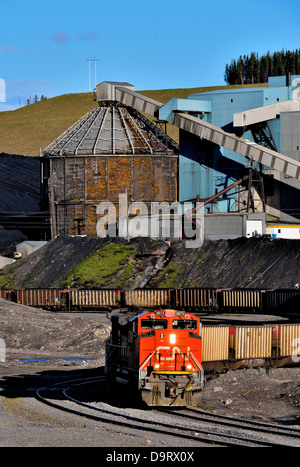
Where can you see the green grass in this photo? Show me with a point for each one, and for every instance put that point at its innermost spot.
(111, 265)
(30, 129)
(167, 277)
(7, 281)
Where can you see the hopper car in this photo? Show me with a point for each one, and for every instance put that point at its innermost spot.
(211, 300)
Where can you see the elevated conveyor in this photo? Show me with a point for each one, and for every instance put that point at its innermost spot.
(262, 114)
(214, 134)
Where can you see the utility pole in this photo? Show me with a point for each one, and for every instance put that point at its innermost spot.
(92, 60)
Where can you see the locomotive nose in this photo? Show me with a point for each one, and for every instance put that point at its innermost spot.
(172, 339)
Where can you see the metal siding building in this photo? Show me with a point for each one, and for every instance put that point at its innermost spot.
(110, 151)
(205, 169)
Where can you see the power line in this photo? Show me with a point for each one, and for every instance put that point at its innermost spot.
(90, 60)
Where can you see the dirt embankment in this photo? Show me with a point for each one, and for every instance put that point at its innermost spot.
(242, 263)
(115, 263)
(34, 333)
(87, 262)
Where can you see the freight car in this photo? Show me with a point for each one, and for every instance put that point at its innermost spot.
(233, 347)
(41, 298)
(279, 301)
(287, 300)
(196, 299)
(245, 300)
(94, 299)
(157, 353)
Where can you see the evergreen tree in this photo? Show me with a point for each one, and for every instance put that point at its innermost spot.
(254, 69)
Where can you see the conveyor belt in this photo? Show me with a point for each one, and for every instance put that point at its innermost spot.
(216, 135)
(247, 148)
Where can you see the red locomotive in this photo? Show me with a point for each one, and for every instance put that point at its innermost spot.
(158, 353)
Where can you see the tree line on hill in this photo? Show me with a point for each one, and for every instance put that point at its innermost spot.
(35, 99)
(251, 69)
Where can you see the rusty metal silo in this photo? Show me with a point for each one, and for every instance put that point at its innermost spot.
(110, 151)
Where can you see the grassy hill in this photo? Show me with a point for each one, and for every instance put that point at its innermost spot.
(30, 129)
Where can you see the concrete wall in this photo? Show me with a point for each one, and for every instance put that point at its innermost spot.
(231, 226)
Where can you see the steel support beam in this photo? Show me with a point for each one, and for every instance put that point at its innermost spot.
(245, 147)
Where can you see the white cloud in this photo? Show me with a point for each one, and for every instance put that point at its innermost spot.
(9, 48)
(59, 36)
(87, 36)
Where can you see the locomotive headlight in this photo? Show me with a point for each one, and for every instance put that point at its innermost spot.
(189, 366)
(156, 366)
(172, 338)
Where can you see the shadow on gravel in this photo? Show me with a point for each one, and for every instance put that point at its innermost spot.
(53, 382)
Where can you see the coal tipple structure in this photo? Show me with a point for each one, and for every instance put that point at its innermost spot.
(112, 150)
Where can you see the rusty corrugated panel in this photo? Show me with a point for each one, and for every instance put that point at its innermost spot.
(147, 298)
(215, 343)
(253, 342)
(110, 151)
(289, 340)
(94, 179)
(3, 294)
(94, 298)
(39, 297)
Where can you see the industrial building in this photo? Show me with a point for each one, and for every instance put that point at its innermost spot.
(112, 150)
(238, 154)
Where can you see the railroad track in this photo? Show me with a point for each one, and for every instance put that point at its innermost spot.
(238, 423)
(207, 429)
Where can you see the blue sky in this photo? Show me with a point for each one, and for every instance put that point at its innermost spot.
(157, 44)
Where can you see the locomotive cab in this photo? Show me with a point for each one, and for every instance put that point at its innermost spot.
(158, 353)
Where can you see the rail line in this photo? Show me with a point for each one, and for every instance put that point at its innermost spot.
(234, 422)
(197, 433)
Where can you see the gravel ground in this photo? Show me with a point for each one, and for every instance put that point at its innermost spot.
(261, 394)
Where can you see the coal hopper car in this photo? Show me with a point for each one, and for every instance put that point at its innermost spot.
(157, 353)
